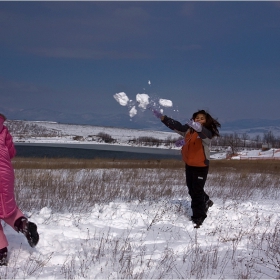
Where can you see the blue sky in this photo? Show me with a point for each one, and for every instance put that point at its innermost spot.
(74, 56)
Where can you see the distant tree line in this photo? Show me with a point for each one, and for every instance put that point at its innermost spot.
(235, 141)
(238, 141)
(100, 137)
(152, 141)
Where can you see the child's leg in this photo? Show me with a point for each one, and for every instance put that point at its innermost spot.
(196, 178)
(21, 224)
(3, 239)
(11, 219)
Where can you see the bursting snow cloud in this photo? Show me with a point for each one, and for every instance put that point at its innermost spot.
(143, 100)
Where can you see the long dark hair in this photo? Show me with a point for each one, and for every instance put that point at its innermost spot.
(211, 123)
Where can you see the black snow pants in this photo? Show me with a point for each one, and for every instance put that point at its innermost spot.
(195, 179)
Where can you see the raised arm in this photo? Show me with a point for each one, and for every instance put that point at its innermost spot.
(10, 144)
(182, 128)
(174, 125)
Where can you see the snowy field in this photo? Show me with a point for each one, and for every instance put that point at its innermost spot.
(143, 236)
(146, 235)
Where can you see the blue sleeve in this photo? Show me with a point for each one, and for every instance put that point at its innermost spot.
(175, 125)
(205, 133)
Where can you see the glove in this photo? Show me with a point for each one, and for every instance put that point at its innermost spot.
(180, 143)
(195, 125)
(157, 113)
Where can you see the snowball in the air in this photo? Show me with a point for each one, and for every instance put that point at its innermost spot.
(165, 103)
(132, 112)
(143, 100)
(121, 98)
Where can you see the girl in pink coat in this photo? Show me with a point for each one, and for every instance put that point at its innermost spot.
(9, 212)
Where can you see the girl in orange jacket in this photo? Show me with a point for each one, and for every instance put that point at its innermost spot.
(197, 134)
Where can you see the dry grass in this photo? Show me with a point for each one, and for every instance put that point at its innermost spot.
(67, 163)
(77, 186)
(246, 166)
(236, 166)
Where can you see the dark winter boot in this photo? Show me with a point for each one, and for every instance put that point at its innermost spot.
(3, 256)
(208, 203)
(29, 230)
(198, 222)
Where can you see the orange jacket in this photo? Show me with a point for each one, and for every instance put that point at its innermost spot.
(193, 151)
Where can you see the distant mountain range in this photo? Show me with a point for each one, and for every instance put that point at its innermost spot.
(252, 126)
(143, 121)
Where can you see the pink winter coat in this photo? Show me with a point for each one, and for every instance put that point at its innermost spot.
(7, 152)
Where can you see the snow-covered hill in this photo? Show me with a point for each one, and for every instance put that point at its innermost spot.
(145, 121)
(52, 132)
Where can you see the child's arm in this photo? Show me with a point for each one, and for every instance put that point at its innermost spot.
(174, 125)
(200, 129)
(178, 127)
(205, 133)
(9, 144)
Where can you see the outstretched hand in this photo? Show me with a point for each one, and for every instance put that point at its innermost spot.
(195, 125)
(180, 143)
(157, 113)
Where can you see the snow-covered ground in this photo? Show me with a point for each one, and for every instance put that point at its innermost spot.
(71, 242)
(152, 239)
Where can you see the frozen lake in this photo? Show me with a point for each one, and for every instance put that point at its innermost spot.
(78, 150)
